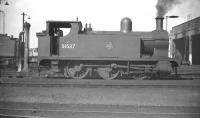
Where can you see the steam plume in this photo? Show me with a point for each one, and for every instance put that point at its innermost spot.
(163, 6)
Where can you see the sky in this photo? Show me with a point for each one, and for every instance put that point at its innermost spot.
(104, 15)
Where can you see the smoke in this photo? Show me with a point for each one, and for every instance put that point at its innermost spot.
(191, 8)
(187, 9)
(163, 6)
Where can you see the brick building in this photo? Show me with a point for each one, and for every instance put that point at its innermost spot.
(186, 39)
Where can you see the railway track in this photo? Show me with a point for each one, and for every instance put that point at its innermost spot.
(41, 82)
(35, 97)
(17, 109)
(87, 102)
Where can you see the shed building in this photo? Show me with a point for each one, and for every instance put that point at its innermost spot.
(185, 38)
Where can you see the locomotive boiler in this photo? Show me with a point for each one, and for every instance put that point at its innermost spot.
(107, 54)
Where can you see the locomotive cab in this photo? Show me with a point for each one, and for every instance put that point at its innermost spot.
(56, 30)
(49, 39)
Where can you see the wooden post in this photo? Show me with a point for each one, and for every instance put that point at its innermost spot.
(190, 46)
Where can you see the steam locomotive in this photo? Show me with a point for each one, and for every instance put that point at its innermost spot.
(86, 53)
(8, 51)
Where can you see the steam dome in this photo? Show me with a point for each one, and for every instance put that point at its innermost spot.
(126, 25)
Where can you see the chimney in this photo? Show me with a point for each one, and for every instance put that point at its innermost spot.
(159, 23)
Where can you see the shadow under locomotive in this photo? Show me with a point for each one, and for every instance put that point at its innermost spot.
(107, 54)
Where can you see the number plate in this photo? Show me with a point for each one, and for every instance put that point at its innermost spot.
(68, 45)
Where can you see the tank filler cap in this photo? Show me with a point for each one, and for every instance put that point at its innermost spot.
(126, 25)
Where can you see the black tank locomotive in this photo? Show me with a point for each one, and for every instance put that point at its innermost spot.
(109, 54)
(8, 52)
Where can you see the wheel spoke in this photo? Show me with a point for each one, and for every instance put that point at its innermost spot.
(76, 72)
(108, 73)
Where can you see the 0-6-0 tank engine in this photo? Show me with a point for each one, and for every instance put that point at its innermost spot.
(109, 54)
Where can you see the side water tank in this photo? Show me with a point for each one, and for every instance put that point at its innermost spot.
(126, 25)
